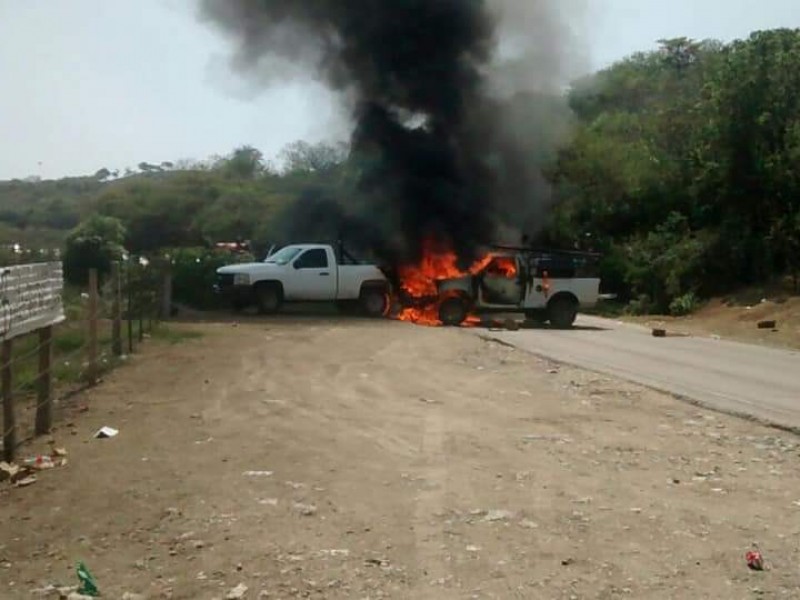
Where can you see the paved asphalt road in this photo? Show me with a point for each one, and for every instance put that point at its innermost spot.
(729, 376)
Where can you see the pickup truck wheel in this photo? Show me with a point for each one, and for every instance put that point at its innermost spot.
(453, 312)
(374, 302)
(268, 299)
(562, 312)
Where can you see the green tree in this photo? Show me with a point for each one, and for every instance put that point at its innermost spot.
(94, 244)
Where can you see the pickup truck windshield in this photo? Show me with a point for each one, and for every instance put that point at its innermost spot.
(283, 256)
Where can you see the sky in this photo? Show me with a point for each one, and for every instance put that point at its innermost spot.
(88, 84)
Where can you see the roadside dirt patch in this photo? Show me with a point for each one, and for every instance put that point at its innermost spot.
(321, 458)
(739, 321)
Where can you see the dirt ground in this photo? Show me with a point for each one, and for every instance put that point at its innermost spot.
(324, 458)
(738, 320)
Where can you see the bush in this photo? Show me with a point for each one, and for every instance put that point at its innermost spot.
(194, 274)
(683, 305)
(640, 306)
(94, 244)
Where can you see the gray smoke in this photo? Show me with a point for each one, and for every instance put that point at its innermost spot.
(445, 97)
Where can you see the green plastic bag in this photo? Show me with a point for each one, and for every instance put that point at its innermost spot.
(88, 584)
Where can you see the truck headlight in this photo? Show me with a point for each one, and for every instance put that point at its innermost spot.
(241, 279)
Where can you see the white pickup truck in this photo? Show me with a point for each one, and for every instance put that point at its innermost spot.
(305, 273)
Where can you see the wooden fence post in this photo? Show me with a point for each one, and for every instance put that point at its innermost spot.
(44, 404)
(129, 293)
(166, 294)
(9, 417)
(116, 310)
(92, 347)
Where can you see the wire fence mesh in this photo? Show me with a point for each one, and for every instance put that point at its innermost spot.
(105, 321)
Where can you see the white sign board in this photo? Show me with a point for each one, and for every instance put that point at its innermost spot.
(30, 298)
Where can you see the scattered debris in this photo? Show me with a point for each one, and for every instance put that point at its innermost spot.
(767, 324)
(258, 473)
(539, 437)
(528, 524)
(567, 562)
(9, 471)
(498, 515)
(269, 502)
(26, 481)
(754, 559)
(237, 593)
(106, 432)
(376, 562)
(307, 510)
(473, 549)
(44, 462)
(88, 585)
(553, 371)
(52, 591)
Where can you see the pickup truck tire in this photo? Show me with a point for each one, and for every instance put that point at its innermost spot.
(374, 302)
(562, 311)
(453, 311)
(269, 298)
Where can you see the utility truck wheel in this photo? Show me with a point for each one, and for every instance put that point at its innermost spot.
(562, 312)
(268, 298)
(374, 302)
(453, 312)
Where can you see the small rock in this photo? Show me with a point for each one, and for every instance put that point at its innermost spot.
(237, 593)
(132, 596)
(498, 515)
(307, 510)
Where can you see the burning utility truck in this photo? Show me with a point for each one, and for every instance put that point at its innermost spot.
(543, 285)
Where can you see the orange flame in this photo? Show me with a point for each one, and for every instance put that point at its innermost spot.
(437, 264)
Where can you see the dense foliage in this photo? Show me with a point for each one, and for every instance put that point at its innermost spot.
(94, 244)
(680, 165)
(685, 168)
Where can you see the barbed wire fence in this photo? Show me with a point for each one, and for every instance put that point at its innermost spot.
(105, 323)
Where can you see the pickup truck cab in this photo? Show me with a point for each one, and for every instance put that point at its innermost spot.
(305, 273)
(543, 285)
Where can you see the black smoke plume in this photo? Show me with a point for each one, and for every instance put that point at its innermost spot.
(432, 164)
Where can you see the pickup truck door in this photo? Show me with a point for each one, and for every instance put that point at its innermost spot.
(313, 276)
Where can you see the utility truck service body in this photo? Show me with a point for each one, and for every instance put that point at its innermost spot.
(305, 273)
(542, 285)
